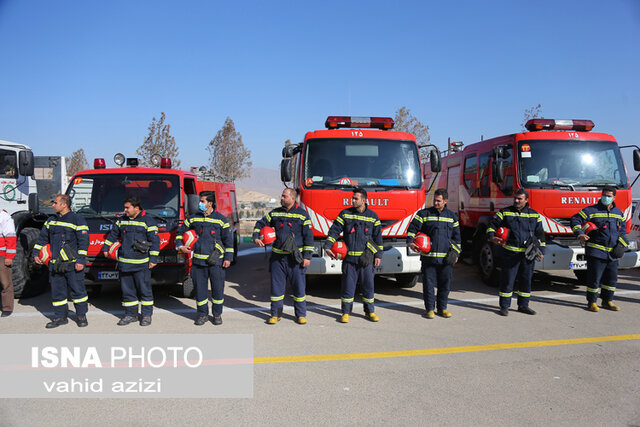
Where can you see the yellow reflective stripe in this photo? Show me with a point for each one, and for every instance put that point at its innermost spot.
(307, 222)
(64, 256)
(410, 234)
(59, 303)
(69, 225)
(38, 247)
(201, 303)
(419, 218)
(605, 215)
(340, 220)
(179, 237)
(354, 253)
(513, 248)
(499, 215)
(135, 223)
(289, 215)
(596, 246)
(347, 299)
(577, 227)
(456, 224)
(593, 290)
(268, 217)
(438, 218)
(368, 300)
(108, 242)
(621, 240)
(505, 294)
(456, 247)
(133, 261)
(82, 252)
(279, 251)
(201, 256)
(524, 294)
(153, 228)
(609, 288)
(256, 230)
(300, 299)
(582, 214)
(377, 223)
(146, 302)
(307, 248)
(217, 301)
(521, 214)
(280, 298)
(360, 217)
(211, 220)
(491, 230)
(372, 248)
(331, 239)
(129, 303)
(155, 253)
(79, 300)
(229, 250)
(434, 254)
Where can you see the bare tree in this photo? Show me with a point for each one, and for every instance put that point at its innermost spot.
(77, 162)
(159, 141)
(406, 122)
(532, 113)
(229, 159)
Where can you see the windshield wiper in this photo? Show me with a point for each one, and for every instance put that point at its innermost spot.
(555, 184)
(97, 215)
(603, 182)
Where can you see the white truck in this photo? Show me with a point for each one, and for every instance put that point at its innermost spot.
(27, 184)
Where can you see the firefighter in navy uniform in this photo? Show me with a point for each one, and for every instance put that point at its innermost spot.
(290, 254)
(603, 247)
(525, 243)
(362, 235)
(441, 225)
(68, 235)
(138, 234)
(212, 253)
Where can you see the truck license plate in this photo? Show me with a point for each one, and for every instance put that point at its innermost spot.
(108, 275)
(578, 265)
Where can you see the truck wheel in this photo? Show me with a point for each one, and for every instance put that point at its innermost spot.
(581, 275)
(29, 279)
(487, 263)
(407, 280)
(187, 288)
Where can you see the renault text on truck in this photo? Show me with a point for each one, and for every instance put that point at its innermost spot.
(562, 165)
(167, 194)
(359, 152)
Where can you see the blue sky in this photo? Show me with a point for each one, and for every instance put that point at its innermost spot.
(92, 74)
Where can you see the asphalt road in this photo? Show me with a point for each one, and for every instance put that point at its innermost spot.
(564, 366)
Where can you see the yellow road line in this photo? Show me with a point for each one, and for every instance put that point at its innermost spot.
(443, 350)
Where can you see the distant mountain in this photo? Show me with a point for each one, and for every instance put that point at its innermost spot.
(262, 180)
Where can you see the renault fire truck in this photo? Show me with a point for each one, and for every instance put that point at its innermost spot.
(562, 165)
(167, 194)
(359, 152)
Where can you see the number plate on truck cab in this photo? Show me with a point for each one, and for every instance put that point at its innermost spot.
(108, 275)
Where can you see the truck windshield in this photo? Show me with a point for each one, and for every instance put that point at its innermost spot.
(104, 195)
(364, 162)
(570, 164)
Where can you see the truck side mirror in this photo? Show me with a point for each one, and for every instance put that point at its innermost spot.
(434, 161)
(34, 205)
(193, 200)
(25, 163)
(498, 171)
(285, 170)
(636, 160)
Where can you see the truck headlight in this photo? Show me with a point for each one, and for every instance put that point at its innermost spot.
(317, 249)
(633, 245)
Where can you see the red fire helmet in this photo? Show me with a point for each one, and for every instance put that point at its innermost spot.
(268, 235)
(502, 233)
(588, 227)
(340, 249)
(113, 250)
(45, 254)
(423, 242)
(189, 238)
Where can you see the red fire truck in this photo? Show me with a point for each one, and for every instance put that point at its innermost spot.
(167, 194)
(363, 152)
(562, 165)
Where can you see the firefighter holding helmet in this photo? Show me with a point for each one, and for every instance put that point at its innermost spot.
(362, 233)
(524, 244)
(441, 226)
(212, 254)
(290, 254)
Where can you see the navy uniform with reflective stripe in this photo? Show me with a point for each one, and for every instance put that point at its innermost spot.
(213, 232)
(282, 265)
(135, 275)
(359, 229)
(602, 268)
(72, 229)
(522, 224)
(444, 231)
